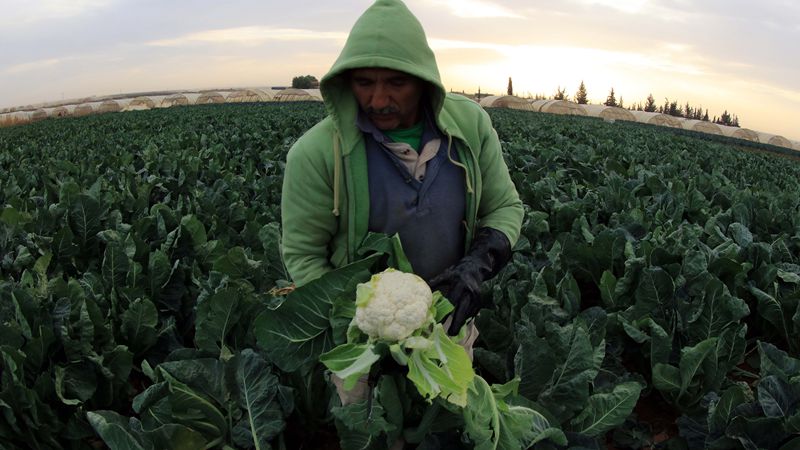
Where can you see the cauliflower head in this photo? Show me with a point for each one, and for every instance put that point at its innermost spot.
(392, 305)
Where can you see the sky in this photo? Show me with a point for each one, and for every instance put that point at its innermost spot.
(734, 55)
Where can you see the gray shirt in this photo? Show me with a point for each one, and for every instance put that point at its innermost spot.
(427, 213)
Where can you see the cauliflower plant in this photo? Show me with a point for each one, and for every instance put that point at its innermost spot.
(392, 305)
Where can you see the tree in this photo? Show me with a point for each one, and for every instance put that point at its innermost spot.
(612, 99)
(728, 119)
(674, 110)
(705, 117)
(510, 87)
(650, 106)
(621, 103)
(305, 82)
(560, 94)
(581, 96)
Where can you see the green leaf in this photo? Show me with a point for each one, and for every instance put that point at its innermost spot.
(237, 264)
(776, 397)
(196, 230)
(150, 396)
(607, 411)
(388, 245)
(723, 411)
(719, 310)
(793, 426)
(190, 408)
(13, 218)
(569, 294)
(492, 423)
(216, 316)
(608, 285)
(789, 277)
(139, 324)
(655, 289)
(741, 235)
(771, 309)
(350, 362)
(295, 334)
(557, 372)
(442, 306)
(692, 359)
(75, 383)
(442, 369)
(115, 266)
(270, 237)
(114, 431)
(85, 218)
(40, 267)
(257, 390)
(695, 263)
(774, 361)
(667, 378)
(159, 271)
(364, 415)
(176, 437)
(64, 243)
(207, 376)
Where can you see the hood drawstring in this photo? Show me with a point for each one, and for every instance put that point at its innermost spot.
(337, 172)
(462, 166)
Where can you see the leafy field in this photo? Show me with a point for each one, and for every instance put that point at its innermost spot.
(653, 298)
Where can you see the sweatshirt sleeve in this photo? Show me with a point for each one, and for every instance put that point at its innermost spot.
(500, 206)
(307, 223)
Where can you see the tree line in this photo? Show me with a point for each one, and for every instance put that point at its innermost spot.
(669, 107)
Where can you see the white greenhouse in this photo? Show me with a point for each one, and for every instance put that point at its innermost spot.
(507, 101)
(609, 113)
(654, 118)
(772, 139)
(298, 95)
(174, 100)
(562, 107)
(701, 126)
(209, 97)
(739, 133)
(140, 103)
(248, 96)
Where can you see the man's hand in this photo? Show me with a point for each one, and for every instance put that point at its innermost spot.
(461, 283)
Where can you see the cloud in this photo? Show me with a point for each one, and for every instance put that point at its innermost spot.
(626, 6)
(767, 89)
(450, 44)
(478, 9)
(248, 36)
(34, 65)
(19, 14)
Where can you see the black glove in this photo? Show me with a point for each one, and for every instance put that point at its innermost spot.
(461, 283)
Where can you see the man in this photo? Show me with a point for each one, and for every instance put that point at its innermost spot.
(396, 154)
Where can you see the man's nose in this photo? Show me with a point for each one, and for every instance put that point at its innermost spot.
(380, 97)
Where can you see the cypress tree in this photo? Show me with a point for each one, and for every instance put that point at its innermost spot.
(581, 96)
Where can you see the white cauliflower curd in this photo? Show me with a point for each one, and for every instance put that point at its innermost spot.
(392, 305)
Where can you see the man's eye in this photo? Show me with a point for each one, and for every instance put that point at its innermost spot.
(398, 83)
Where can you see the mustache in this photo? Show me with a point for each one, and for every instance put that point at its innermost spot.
(381, 111)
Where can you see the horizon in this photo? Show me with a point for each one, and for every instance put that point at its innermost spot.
(677, 50)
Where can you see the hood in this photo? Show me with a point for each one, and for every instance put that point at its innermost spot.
(387, 36)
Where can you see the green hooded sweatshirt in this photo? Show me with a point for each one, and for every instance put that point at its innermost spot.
(325, 200)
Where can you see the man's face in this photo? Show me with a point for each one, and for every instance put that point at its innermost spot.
(391, 99)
